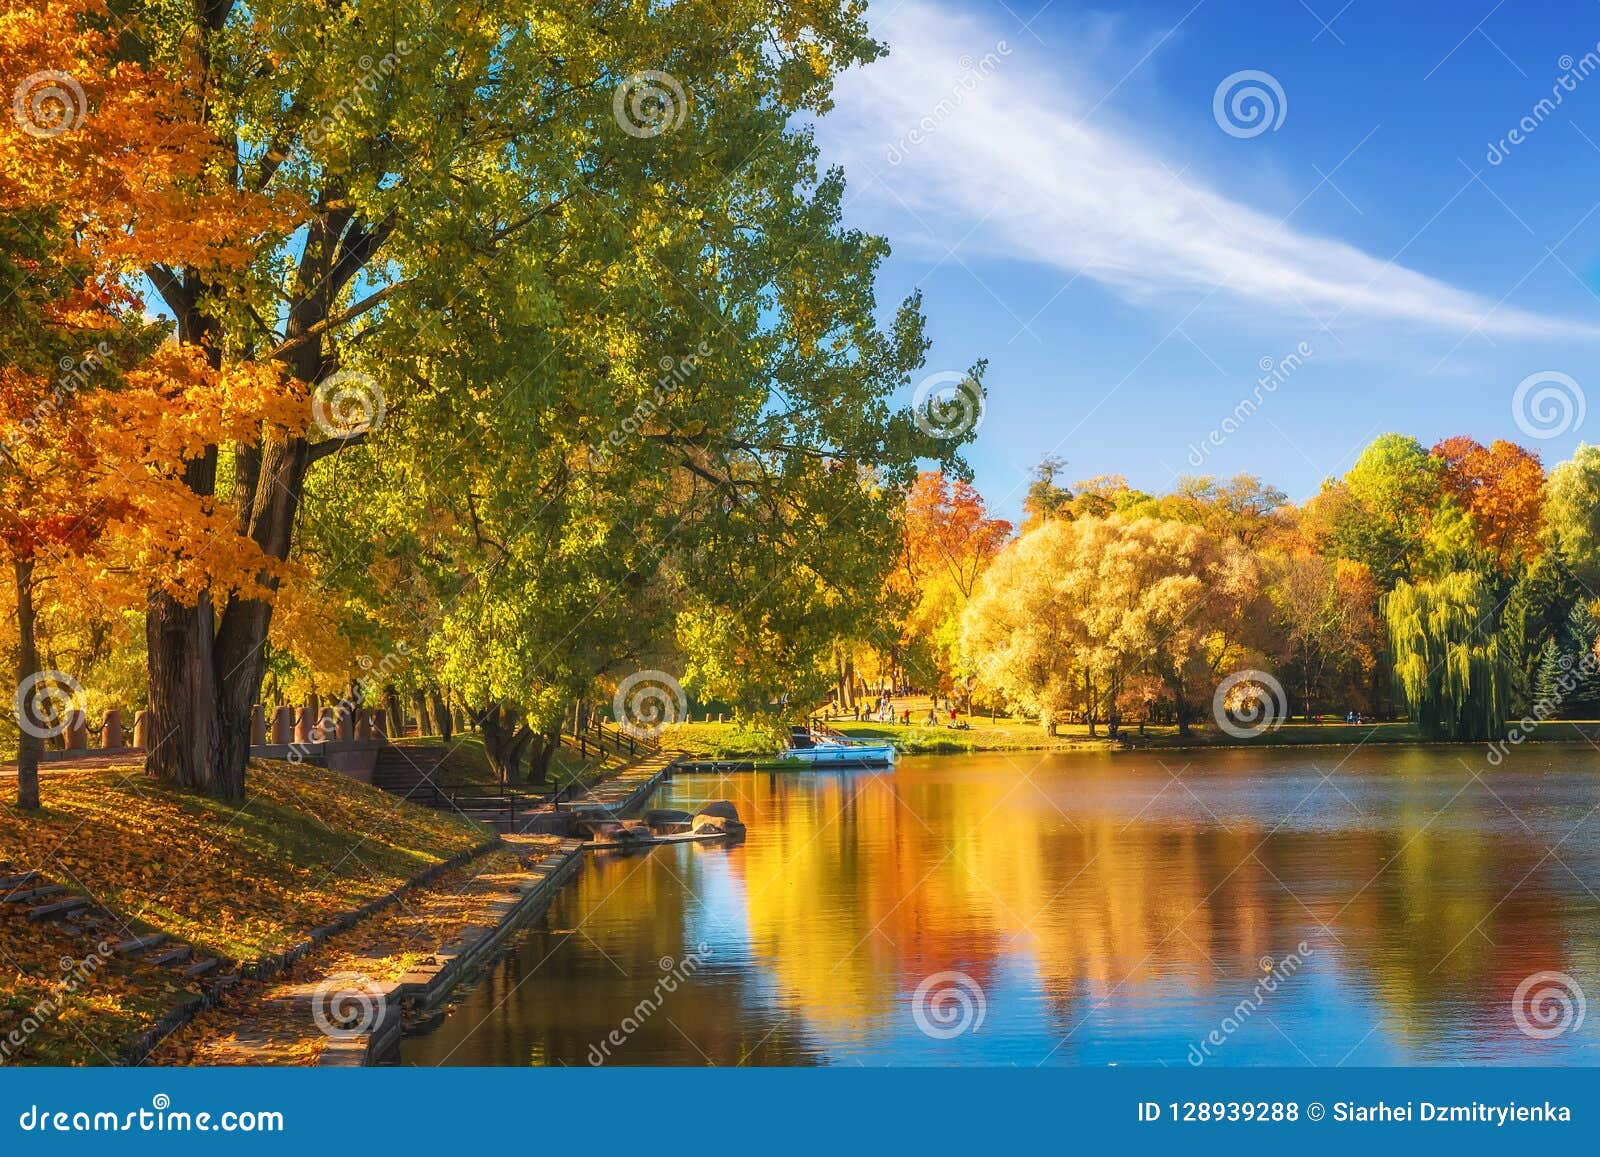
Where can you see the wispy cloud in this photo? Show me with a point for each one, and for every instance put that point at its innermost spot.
(1010, 148)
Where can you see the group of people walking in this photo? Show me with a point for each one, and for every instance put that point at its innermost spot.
(883, 710)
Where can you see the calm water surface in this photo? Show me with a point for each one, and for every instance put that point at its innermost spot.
(1094, 909)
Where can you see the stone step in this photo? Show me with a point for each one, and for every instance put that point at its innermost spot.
(140, 943)
(29, 895)
(59, 908)
(202, 968)
(22, 879)
(175, 955)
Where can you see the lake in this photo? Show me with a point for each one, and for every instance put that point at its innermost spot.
(1307, 906)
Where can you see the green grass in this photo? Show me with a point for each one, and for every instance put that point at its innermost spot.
(718, 741)
(468, 764)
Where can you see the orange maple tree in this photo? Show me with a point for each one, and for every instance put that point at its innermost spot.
(101, 171)
(948, 532)
(1501, 486)
(949, 541)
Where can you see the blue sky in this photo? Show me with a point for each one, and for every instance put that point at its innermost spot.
(1055, 180)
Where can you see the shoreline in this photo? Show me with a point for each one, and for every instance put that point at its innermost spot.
(917, 741)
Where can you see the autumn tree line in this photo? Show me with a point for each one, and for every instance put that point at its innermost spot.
(487, 353)
(1454, 586)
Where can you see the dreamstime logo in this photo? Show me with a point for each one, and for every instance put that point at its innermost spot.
(366, 85)
(647, 702)
(673, 973)
(1568, 678)
(347, 1004)
(1548, 404)
(948, 404)
(348, 403)
(75, 974)
(973, 73)
(1249, 703)
(1274, 973)
(1274, 372)
(48, 104)
(948, 1004)
(1256, 103)
(648, 104)
(76, 373)
(675, 373)
(1573, 73)
(346, 712)
(47, 702)
(1547, 1005)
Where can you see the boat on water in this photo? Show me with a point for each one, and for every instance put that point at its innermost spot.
(829, 748)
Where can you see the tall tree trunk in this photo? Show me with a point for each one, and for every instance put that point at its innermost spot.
(539, 765)
(441, 714)
(30, 747)
(205, 664)
(419, 705)
(506, 736)
(396, 712)
(184, 706)
(205, 674)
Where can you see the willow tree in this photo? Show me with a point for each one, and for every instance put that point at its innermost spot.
(1449, 662)
(454, 168)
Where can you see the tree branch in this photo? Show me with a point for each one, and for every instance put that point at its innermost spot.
(333, 321)
(329, 446)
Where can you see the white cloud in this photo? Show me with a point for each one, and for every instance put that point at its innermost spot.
(1015, 155)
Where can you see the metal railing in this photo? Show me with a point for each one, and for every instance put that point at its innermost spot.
(615, 740)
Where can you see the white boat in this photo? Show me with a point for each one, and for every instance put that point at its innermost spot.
(807, 746)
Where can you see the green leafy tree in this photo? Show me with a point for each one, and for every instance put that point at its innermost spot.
(500, 207)
(1572, 514)
(1046, 497)
(1381, 512)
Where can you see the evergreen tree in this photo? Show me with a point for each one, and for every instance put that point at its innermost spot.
(1582, 700)
(1533, 617)
(1548, 692)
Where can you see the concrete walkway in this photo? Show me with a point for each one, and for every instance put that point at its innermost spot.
(628, 791)
(342, 1004)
